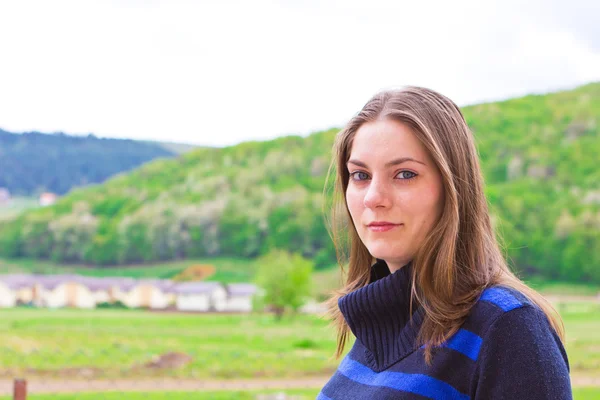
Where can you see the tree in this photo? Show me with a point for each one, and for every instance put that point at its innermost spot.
(285, 279)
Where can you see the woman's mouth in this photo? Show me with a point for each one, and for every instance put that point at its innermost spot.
(383, 227)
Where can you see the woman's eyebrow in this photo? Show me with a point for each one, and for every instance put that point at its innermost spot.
(397, 161)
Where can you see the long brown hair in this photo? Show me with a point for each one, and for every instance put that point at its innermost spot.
(460, 257)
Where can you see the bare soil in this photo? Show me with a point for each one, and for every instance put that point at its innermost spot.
(40, 386)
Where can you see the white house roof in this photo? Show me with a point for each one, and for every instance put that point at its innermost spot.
(241, 289)
(105, 283)
(165, 285)
(51, 282)
(195, 287)
(17, 281)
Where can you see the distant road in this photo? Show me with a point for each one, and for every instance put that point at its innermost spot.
(40, 386)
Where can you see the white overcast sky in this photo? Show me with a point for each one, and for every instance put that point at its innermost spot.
(223, 72)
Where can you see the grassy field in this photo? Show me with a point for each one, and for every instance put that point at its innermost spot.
(122, 343)
(115, 343)
(227, 269)
(329, 278)
(564, 288)
(582, 323)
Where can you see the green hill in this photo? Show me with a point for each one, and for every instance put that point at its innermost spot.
(539, 155)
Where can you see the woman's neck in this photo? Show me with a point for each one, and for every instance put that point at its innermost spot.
(379, 314)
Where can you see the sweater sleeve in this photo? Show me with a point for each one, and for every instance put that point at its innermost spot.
(522, 358)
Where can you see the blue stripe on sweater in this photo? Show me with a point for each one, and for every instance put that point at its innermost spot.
(321, 396)
(414, 383)
(502, 298)
(466, 342)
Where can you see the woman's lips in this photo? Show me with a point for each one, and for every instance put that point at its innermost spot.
(382, 228)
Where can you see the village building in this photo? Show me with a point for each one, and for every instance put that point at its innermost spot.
(108, 289)
(47, 199)
(149, 293)
(239, 296)
(18, 285)
(201, 296)
(8, 296)
(57, 291)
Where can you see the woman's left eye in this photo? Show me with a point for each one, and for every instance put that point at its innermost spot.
(407, 174)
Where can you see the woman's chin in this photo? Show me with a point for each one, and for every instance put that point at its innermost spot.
(384, 254)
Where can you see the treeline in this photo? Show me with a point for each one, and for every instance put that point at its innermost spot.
(238, 201)
(540, 161)
(33, 162)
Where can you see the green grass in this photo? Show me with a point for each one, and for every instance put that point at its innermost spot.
(228, 270)
(563, 288)
(583, 393)
(117, 343)
(59, 344)
(582, 324)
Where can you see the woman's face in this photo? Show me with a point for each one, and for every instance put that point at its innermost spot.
(392, 179)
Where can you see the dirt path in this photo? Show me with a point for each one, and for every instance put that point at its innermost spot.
(38, 386)
(583, 381)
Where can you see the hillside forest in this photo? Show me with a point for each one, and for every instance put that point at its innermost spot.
(539, 153)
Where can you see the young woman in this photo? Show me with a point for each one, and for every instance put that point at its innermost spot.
(435, 310)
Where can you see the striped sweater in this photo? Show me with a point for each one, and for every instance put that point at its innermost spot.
(506, 348)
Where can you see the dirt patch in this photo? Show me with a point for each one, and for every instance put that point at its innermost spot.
(71, 373)
(171, 360)
(42, 386)
(49, 386)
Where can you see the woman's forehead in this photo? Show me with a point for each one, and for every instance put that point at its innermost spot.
(384, 142)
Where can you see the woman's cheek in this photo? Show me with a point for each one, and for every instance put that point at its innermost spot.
(353, 205)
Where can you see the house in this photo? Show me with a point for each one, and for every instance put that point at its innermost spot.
(201, 296)
(239, 296)
(21, 286)
(57, 291)
(47, 199)
(108, 289)
(149, 293)
(168, 288)
(8, 295)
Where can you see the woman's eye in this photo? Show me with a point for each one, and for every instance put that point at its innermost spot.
(404, 175)
(407, 174)
(354, 174)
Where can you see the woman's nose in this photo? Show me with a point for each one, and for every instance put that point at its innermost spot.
(378, 195)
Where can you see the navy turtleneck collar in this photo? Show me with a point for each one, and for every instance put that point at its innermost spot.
(379, 315)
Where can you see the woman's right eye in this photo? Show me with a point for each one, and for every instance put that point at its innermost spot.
(352, 175)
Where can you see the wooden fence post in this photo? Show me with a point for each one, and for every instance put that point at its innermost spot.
(20, 389)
